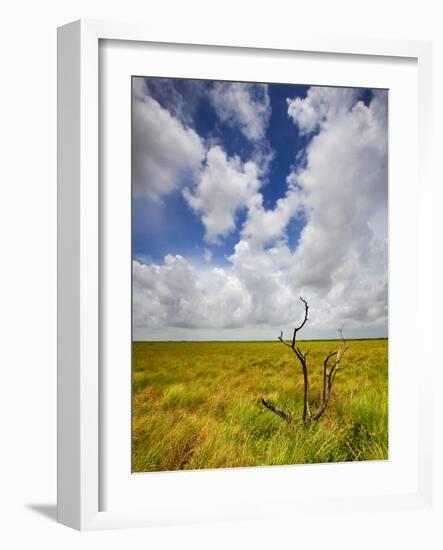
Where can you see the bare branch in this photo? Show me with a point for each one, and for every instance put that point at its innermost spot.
(278, 412)
(298, 352)
(328, 378)
(283, 341)
(296, 329)
(340, 331)
(330, 356)
(325, 374)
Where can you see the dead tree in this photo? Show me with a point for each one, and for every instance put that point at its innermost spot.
(331, 365)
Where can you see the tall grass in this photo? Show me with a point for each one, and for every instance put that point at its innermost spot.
(197, 405)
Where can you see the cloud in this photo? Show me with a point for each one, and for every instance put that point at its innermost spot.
(254, 291)
(178, 295)
(226, 186)
(344, 191)
(263, 226)
(321, 104)
(242, 105)
(322, 107)
(264, 275)
(164, 152)
(253, 296)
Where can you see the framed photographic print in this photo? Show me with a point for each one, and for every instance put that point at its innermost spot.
(246, 196)
(233, 271)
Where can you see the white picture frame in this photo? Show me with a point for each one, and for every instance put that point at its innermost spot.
(80, 412)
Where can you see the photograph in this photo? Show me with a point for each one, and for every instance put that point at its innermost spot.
(259, 268)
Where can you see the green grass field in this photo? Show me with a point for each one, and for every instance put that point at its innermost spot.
(197, 405)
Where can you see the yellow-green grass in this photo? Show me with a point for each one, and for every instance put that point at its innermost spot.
(197, 405)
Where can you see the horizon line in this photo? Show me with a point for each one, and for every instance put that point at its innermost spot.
(276, 340)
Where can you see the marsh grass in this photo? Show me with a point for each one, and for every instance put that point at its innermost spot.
(197, 405)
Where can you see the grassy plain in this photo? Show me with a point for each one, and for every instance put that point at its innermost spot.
(197, 405)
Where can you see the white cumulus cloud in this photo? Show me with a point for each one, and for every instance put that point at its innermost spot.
(266, 225)
(164, 152)
(344, 190)
(226, 185)
(242, 105)
(179, 295)
(321, 104)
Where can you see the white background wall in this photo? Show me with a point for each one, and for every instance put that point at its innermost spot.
(28, 261)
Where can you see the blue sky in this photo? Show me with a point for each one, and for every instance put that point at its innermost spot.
(236, 184)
